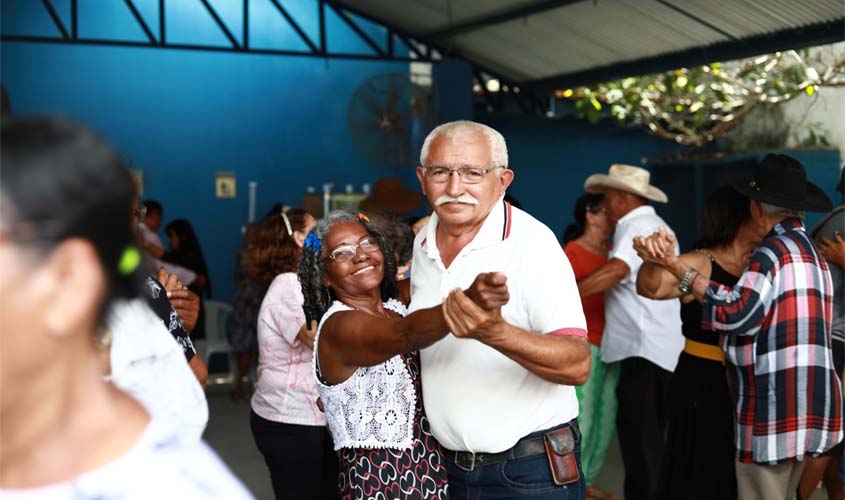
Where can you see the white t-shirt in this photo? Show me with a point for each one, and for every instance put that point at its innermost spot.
(636, 326)
(148, 363)
(161, 465)
(476, 398)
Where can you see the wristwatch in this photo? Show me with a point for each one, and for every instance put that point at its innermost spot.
(686, 281)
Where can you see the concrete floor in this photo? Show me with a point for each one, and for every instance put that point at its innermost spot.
(229, 435)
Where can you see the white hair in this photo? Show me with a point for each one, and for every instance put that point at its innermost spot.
(776, 211)
(457, 130)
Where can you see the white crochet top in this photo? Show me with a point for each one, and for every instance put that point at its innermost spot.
(373, 408)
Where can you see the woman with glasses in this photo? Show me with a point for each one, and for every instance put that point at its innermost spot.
(586, 246)
(67, 256)
(366, 362)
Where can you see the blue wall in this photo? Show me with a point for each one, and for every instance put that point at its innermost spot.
(180, 116)
(553, 158)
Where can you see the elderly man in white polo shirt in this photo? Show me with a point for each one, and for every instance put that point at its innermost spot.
(644, 334)
(501, 401)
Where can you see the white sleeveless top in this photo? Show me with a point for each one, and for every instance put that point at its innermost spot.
(374, 407)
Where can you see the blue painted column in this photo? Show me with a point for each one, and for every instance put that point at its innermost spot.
(454, 83)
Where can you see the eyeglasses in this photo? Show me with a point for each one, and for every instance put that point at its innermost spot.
(140, 213)
(468, 174)
(343, 253)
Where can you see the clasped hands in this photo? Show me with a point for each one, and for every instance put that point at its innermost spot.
(477, 312)
(185, 302)
(659, 248)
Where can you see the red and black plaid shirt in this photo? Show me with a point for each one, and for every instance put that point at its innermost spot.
(777, 349)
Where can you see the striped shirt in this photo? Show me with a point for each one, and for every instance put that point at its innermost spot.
(777, 349)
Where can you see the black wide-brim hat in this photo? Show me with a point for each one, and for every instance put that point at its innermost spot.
(781, 180)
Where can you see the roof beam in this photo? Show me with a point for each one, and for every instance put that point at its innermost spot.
(56, 20)
(499, 18)
(698, 20)
(808, 36)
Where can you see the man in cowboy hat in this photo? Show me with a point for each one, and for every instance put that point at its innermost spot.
(776, 321)
(644, 335)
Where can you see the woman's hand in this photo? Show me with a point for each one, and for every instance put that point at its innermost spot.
(307, 334)
(185, 302)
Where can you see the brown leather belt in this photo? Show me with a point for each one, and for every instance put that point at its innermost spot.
(525, 447)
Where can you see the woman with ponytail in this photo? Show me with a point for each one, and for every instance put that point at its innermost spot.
(289, 429)
(67, 256)
(586, 245)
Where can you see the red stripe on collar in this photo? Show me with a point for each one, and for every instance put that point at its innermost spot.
(422, 243)
(506, 232)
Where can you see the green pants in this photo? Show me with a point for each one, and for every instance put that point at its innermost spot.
(597, 417)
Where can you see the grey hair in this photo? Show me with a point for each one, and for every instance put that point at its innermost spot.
(318, 297)
(457, 130)
(776, 211)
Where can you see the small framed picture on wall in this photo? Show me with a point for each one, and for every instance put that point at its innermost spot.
(225, 185)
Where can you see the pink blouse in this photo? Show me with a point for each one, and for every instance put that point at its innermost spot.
(286, 390)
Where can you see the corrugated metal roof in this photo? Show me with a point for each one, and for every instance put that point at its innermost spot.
(573, 37)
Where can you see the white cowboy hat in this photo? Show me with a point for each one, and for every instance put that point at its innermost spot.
(625, 178)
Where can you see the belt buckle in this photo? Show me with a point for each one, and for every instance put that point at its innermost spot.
(462, 457)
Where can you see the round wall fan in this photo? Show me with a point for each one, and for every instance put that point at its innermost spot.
(389, 116)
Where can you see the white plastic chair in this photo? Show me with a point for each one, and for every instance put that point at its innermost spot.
(217, 316)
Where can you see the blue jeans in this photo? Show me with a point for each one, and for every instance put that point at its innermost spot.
(527, 477)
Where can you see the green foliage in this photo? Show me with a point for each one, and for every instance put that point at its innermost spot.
(696, 105)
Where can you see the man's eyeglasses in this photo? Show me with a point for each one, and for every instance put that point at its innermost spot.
(468, 174)
(343, 253)
(140, 213)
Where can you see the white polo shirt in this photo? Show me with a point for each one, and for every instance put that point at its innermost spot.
(634, 325)
(476, 398)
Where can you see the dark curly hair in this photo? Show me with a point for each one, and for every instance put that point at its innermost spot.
(270, 250)
(317, 296)
(724, 212)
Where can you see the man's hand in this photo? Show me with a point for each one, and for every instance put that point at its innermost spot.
(489, 290)
(833, 251)
(466, 319)
(187, 306)
(307, 334)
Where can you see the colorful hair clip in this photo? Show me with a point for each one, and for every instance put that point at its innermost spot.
(129, 260)
(313, 242)
(363, 217)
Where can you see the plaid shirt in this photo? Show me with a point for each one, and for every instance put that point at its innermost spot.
(777, 349)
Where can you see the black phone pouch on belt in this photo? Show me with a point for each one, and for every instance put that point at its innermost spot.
(560, 448)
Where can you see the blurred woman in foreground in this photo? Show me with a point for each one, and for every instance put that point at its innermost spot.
(66, 253)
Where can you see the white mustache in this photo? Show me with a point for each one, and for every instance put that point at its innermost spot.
(464, 198)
